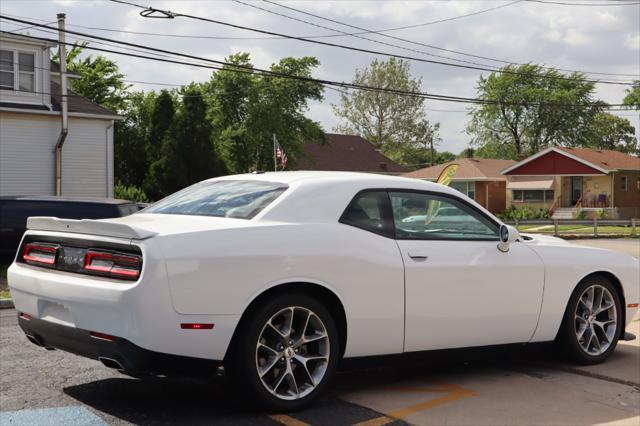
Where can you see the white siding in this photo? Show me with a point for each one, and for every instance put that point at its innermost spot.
(84, 159)
(27, 160)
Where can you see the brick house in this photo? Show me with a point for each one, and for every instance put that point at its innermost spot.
(568, 180)
(478, 178)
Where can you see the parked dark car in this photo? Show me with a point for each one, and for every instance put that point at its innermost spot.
(14, 211)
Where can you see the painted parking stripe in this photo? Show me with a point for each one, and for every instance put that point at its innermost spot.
(331, 412)
(452, 393)
(76, 415)
(288, 420)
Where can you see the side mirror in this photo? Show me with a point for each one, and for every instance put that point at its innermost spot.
(508, 234)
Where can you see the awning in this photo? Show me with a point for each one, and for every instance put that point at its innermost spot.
(530, 182)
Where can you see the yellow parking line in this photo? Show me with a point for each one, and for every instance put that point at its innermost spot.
(454, 393)
(288, 420)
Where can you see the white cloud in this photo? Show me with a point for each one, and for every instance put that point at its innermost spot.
(588, 38)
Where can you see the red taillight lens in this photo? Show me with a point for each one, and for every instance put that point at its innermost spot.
(102, 336)
(116, 265)
(40, 253)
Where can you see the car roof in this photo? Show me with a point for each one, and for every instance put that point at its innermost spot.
(52, 198)
(319, 176)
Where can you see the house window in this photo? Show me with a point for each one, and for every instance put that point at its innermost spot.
(532, 196)
(26, 72)
(6, 70)
(467, 188)
(623, 183)
(17, 71)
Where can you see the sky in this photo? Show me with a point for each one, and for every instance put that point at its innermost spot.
(599, 37)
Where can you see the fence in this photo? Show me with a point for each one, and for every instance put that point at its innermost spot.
(596, 227)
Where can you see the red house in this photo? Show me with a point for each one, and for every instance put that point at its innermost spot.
(568, 180)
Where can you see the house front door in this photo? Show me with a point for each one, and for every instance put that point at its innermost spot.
(576, 189)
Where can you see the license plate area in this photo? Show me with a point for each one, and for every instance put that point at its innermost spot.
(54, 312)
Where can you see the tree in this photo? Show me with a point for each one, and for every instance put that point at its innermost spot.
(397, 125)
(186, 155)
(247, 110)
(100, 79)
(633, 96)
(530, 107)
(608, 131)
(131, 137)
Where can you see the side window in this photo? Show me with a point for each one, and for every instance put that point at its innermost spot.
(369, 211)
(423, 216)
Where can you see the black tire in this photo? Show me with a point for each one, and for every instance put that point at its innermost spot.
(567, 338)
(241, 364)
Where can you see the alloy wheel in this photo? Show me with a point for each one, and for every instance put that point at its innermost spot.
(292, 353)
(596, 320)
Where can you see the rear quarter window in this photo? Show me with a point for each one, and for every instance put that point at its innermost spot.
(241, 199)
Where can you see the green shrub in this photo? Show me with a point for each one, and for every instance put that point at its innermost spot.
(602, 214)
(581, 214)
(523, 213)
(131, 193)
(543, 213)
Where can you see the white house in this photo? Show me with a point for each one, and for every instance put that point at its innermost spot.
(31, 127)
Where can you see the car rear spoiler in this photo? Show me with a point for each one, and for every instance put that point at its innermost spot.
(88, 226)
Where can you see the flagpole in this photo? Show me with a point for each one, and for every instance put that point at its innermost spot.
(275, 154)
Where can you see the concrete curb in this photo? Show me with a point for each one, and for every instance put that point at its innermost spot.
(6, 304)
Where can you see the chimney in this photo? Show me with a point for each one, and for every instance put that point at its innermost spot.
(63, 102)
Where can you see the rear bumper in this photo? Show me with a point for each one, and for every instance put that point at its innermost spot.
(131, 358)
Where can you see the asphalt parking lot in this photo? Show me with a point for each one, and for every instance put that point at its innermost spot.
(498, 387)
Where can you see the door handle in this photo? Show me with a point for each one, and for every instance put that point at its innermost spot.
(418, 256)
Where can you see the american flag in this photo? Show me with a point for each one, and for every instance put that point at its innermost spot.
(281, 156)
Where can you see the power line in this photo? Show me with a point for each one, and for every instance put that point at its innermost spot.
(419, 43)
(423, 24)
(352, 48)
(611, 3)
(342, 34)
(226, 66)
(357, 36)
(252, 70)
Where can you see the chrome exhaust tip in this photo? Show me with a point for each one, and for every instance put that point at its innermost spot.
(33, 339)
(110, 363)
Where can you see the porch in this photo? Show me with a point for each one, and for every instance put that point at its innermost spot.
(566, 197)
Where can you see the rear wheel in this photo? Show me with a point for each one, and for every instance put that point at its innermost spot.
(286, 352)
(592, 323)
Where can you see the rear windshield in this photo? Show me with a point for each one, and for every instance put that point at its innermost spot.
(242, 199)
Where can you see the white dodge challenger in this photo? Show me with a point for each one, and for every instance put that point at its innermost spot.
(278, 276)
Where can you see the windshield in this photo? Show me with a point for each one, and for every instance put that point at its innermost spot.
(241, 199)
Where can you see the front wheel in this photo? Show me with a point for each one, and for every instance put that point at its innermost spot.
(592, 323)
(286, 353)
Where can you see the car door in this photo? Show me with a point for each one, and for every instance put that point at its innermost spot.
(461, 291)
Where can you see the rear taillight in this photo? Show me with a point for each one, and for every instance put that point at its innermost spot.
(40, 253)
(116, 265)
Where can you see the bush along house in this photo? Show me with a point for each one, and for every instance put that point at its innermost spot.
(576, 182)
